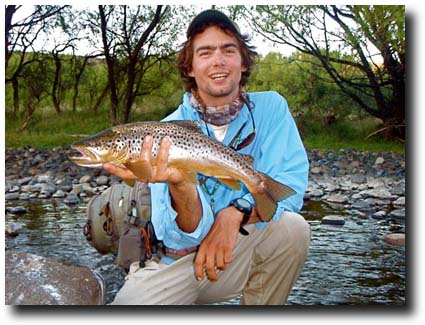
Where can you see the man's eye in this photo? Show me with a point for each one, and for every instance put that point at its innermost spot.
(230, 51)
(204, 53)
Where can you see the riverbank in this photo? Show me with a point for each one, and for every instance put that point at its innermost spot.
(353, 202)
(43, 173)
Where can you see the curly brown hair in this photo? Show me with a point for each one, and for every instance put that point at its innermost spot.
(185, 55)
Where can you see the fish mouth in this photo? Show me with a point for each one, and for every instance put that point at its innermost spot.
(84, 157)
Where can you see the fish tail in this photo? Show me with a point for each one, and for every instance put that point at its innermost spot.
(266, 200)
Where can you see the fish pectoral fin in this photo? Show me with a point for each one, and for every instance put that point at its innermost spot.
(141, 169)
(189, 176)
(129, 182)
(230, 182)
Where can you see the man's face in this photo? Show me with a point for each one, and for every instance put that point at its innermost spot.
(216, 66)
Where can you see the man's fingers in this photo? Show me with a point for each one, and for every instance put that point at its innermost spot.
(146, 152)
(228, 256)
(162, 161)
(121, 172)
(219, 260)
(210, 267)
(199, 265)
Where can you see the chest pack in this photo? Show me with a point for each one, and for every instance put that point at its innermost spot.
(119, 222)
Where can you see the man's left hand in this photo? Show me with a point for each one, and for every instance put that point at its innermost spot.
(216, 250)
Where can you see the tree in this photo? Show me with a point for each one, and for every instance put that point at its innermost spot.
(362, 48)
(134, 39)
(19, 39)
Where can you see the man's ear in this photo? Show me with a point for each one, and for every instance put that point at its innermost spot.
(190, 73)
(243, 68)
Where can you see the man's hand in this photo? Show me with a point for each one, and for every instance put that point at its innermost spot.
(184, 195)
(161, 172)
(216, 250)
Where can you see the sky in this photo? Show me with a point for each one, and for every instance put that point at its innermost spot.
(263, 45)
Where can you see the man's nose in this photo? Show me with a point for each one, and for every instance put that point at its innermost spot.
(219, 58)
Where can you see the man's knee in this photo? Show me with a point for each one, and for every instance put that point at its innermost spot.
(296, 230)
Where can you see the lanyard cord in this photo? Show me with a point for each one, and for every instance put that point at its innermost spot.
(236, 145)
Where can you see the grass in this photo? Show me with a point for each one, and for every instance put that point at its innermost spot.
(53, 130)
(348, 135)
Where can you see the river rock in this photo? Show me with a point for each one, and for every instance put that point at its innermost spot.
(358, 179)
(25, 180)
(397, 239)
(17, 210)
(333, 220)
(377, 193)
(59, 194)
(102, 180)
(48, 188)
(44, 178)
(13, 189)
(71, 199)
(37, 280)
(11, 196)
(31, 188)
(379, 215)
(379, 161)
(400, 202)
(85, 179)
(24, 196)
(361, 205)
(398, 213)
(12, 228)
(337, 198)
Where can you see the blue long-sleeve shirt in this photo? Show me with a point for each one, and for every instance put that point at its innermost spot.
(277, 150)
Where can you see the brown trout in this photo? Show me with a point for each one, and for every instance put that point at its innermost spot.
(191, 151)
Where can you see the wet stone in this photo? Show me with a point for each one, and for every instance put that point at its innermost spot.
(398, 239)
(85, 179)
(59, 194)
(379, 161)
(379, 215)
(17, 210)
(24, 196)
(37, 280)
(361, 205)
(31, 188)
(337, 198)
(102, 180)
(358, 179)
(11, 196)
(398, 213)
(24, 180)
(333, 220)
(12, 228)
(72, 198)
(401, 201)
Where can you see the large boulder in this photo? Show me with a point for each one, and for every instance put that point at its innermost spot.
(36, 280)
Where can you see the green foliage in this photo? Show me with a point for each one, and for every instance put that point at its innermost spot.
(311, 95)
(326, 116)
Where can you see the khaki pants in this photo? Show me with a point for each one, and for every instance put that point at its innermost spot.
(265, 267)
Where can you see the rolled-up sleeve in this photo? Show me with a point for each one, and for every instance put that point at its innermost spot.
(164, 219)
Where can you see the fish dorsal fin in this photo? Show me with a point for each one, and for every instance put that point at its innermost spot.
(192, 125)
(247, 158)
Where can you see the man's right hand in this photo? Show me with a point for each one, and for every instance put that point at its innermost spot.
(160, 172)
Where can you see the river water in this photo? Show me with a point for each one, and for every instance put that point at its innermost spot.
(347, 265)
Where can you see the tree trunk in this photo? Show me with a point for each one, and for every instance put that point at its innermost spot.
(113, 88)
(15, 85)
(56, 84)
